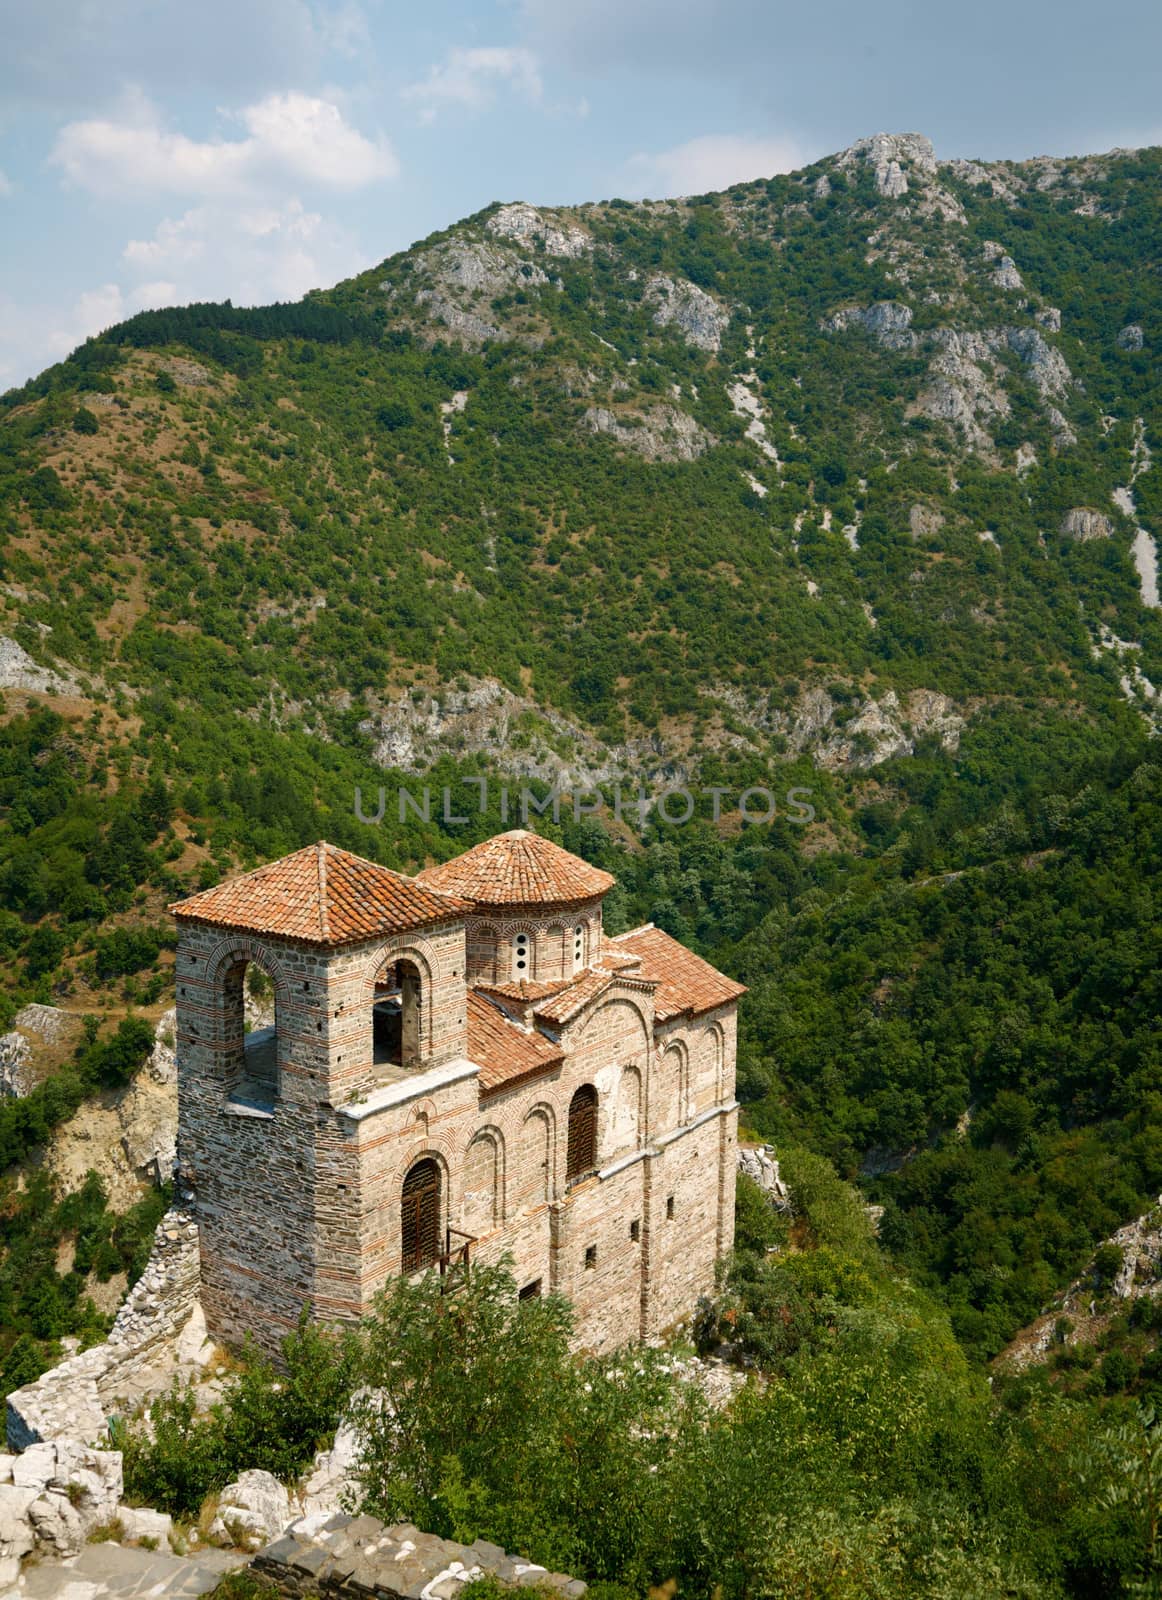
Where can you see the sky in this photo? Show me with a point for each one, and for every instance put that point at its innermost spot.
(154, 152)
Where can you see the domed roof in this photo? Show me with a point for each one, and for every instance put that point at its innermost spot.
(518, 869)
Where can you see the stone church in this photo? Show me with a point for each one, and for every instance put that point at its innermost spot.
(462, 1066)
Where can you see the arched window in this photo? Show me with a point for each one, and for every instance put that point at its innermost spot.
(397, 1023)
(250, 1032)
(522, 957)
(581, 1156)
(420, 1210)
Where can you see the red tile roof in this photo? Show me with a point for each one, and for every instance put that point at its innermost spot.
(565, 1005)
(685, 982)
(525, 989)
(518, 869)
(504, 1052)
(321, 895)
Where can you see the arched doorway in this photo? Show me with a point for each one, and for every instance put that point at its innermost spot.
(420, 1209)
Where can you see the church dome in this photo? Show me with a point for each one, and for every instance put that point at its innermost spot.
(518, 869)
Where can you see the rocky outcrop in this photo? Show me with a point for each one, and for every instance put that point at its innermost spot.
(883, 729)
(1132, 337)
(964, 387)
(15, 1065)
(660, 433)
(758, 1163)
(1078, 1315)
(524, 740)
(342, 1556)
(467, 266)
(252, 1510)
(697, 315)
(887, 321)
(1084, 523)
(891, 156)
(74, 1489)
(924, 522)
(524, 224)
(19, 671)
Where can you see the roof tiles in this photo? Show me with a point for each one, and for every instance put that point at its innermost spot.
(504, 1052)
(321, 895)
(685, 982)
(518, 868)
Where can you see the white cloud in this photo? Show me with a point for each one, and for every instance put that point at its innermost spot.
(471, 79)
(295, 136)
(249, 253)
(713, 161)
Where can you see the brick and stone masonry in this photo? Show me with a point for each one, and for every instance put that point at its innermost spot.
(424, 1089)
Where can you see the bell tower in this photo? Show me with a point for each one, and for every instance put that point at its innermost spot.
(366, 968)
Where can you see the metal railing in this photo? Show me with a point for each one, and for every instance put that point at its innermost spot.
(453, 1264)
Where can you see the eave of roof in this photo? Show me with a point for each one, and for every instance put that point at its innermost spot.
(323, 896)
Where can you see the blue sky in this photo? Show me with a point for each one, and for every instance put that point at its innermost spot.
(154, 152)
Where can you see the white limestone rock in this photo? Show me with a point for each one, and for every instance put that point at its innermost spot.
(252, 1511)
(19, 671)
(1047, 368)
(1132, 337)
(16, 1533)
(1049, 318)
(15, 1065)
(695, 313)
(963, 385)
(82, 1493)
(142, 1522)
(888, 321)
(661, 433)
(1084, 523)
(1005, 274)
(890, 155)
(162, 1062)
(760, 1166)
(334, 1484)
(526, 225)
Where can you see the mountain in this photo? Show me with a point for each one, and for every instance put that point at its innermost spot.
(739, 467)
(840, 481)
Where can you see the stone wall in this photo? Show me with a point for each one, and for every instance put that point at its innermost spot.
(552, 941)
(349, 1556)
(276, 1174)
(75, 1399)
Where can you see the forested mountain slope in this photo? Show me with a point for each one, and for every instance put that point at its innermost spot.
(841, 480)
